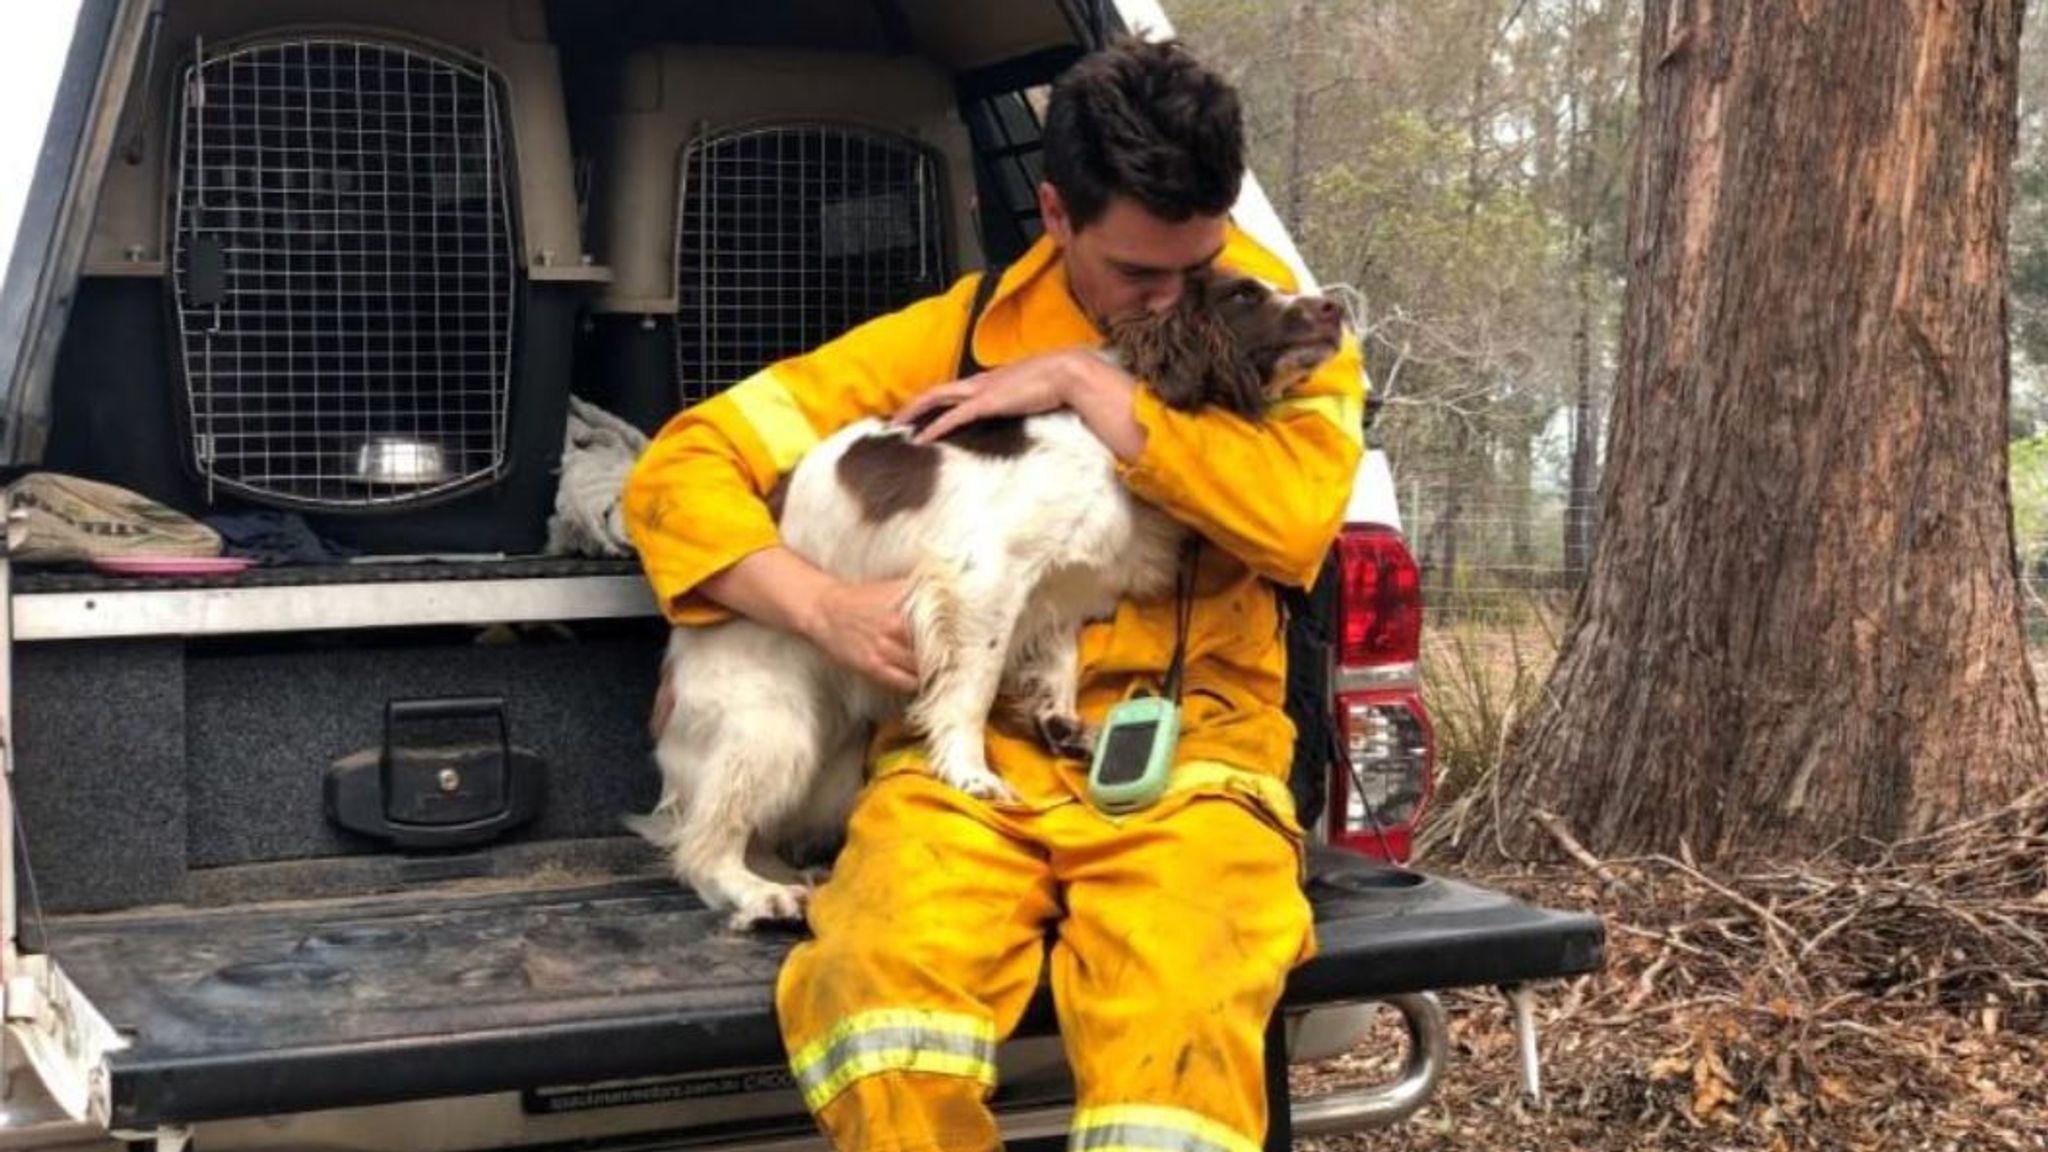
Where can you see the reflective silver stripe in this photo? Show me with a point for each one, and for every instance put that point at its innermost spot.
(870, 1050)
(771, 409)
(1147, 1137)
(1153, 1128)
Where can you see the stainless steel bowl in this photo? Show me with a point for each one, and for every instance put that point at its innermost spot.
(400, 460)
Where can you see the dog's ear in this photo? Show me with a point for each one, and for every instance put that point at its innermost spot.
(1190, 358)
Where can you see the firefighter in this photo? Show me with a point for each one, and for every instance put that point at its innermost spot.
(1173, 927)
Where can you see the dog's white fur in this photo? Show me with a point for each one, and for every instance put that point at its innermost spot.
(765, 736)
(761, 737)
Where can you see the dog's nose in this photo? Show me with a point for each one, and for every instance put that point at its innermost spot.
(1324, 310)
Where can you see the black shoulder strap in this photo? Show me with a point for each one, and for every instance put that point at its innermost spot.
(982, 291)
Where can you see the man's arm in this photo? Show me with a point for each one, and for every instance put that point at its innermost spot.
(1271, 491)
(695, 502)
(859, 625)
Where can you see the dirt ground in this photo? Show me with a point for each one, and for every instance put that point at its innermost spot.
(1897, 1004)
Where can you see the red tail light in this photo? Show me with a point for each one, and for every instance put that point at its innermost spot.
(1379, 790)
(1381, 598)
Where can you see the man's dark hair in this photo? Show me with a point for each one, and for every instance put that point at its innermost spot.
(1147, 121)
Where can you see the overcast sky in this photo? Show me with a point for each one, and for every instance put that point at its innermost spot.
(33, 36)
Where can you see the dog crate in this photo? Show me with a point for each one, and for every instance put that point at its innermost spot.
(341, 272)
(789, 234)
(342, 250)
(757, 203)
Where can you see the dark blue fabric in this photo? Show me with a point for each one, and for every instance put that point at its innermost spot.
(275, 538)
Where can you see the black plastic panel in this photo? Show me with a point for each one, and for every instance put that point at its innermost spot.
(290, 1008)
(211, 755)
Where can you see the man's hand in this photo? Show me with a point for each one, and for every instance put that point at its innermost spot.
(1097, 391)
(1025, 388)
(862, 627)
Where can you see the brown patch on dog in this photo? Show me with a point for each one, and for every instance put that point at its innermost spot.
(889, 475)
(778, 495)
(997, 437)
(1224, 341)
(1190, 359)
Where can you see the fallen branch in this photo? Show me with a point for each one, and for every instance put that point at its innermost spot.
(1554, 824)
(1765, 916)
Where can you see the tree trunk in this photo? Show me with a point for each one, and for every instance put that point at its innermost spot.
(1518, 499)
(1298, 112)
(1578, 506)
(1801, 624)
(1441, 549)
(1584, 472)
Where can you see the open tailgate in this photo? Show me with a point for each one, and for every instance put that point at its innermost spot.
(287, 1008)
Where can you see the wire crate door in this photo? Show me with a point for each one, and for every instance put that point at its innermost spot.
(342, 272)
(787, 235)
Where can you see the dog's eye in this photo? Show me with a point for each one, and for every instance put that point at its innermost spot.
(1243, 294)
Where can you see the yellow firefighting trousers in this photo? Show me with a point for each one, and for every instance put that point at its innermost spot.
(1175, 930)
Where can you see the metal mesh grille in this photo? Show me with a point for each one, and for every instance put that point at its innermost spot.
(342, 271)
(787, 236)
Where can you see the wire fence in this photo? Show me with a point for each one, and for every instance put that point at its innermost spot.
(1502, 562)
(1494, 558)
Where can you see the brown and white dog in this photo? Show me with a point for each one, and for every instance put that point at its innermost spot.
(1014, 533)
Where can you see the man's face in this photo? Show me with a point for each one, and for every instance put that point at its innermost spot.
(1129, 260)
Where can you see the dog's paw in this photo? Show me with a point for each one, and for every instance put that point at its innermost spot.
(1065, 736)
(773, 904)
(983, 785)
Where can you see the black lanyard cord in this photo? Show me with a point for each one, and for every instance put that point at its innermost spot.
(1183, 614)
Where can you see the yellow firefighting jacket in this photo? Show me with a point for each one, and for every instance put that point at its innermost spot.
(1268, 495)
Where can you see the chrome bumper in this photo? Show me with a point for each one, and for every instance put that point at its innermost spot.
(1377, 1106)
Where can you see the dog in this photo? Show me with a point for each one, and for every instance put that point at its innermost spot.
(1014, 533)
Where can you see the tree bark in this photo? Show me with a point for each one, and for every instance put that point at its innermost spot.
(1440, 573)
(1801, 624)
(1578, 507)
(1579, 520)
(1298, 113)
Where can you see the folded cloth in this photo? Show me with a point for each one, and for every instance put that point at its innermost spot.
(598, 450)
(275, 538)
(57, 518)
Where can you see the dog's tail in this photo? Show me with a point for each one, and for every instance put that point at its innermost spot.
(662, 827)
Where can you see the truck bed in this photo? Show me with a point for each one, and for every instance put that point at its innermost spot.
(263, 1010)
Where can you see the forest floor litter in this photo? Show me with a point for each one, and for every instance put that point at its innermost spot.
(1897, 1001)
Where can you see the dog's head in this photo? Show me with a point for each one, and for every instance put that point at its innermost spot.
(1229, 340)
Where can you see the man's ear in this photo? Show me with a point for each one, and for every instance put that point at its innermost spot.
(1052, 212)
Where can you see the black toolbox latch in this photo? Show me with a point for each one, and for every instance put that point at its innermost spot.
(446, 776)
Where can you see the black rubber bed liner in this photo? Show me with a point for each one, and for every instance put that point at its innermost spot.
(286, 1008)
